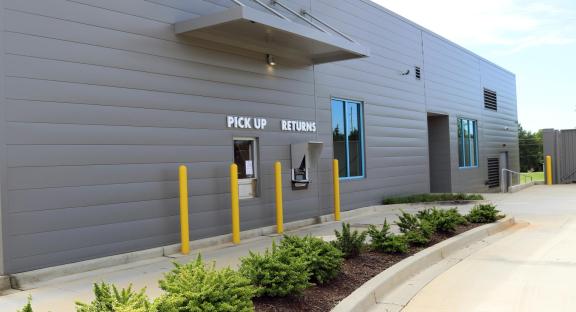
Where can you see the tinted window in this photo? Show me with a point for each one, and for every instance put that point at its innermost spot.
(347, 137)
(467, 143)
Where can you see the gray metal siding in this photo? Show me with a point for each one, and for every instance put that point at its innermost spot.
(3, 174)
(568, 156)
(454, 85)
(394, 113)
(102, 102)
(561, 146)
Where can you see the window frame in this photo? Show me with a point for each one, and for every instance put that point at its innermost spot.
(467, 152)
(255, 166)
(361, 137)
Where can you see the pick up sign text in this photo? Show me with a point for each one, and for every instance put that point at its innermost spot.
(259, 123)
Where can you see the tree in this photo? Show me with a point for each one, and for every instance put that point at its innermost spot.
(531, 150)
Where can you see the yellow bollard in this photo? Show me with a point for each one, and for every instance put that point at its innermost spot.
(184, 226)
(336, 183)
(279, 204)
(549, 170)
(235, 202)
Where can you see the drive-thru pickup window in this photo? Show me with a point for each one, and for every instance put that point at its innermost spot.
(348, 137)
(245, 157)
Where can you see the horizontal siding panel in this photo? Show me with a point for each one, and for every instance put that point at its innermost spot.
(51, 91)
(50, 49)
(55, 155)
(24, 67)
(149, 9)
(63, 176)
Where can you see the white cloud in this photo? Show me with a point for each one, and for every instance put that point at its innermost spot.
(511, 24)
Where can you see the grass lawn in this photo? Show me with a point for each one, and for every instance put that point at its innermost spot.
(427, 198)
(536, 176)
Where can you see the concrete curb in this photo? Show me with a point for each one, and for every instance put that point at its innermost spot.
(4, 283)
(26, 279)
(520, 187)
(365, 297)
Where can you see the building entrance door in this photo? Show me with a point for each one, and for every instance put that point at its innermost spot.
(439, 153)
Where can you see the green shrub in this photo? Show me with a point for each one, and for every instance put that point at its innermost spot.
(408, 222)
(197, 287)
(416, 238)
(28, 306)
(484, 213)
(349, 243)
(276, 273)
(384, 241)
(442, 220)
(435, 197)
(109, 299)
(416, 231)
(456, 215)
(323, 259)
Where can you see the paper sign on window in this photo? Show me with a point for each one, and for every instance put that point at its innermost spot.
(249, 168)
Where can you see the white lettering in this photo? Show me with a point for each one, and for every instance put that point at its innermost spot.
(260, 123)
(298, 126)
(243, 122)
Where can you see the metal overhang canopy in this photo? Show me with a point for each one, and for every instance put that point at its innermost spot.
(254, 30)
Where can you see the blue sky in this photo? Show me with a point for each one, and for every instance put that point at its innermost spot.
(534, 39)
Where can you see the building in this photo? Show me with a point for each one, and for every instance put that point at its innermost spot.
(560, 145)
(101, 100)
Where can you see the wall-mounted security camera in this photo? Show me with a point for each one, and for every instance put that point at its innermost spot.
(405, 73)
(507, 128)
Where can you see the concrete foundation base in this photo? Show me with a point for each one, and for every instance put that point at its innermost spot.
(4, 283)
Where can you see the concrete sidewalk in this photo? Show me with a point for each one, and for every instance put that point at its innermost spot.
(532, 269)
(59, 295)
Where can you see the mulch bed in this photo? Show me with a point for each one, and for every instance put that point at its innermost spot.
(355, 272)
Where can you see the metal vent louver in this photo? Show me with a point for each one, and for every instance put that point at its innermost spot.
(417, 71)
(490, 100)
(493, 172)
